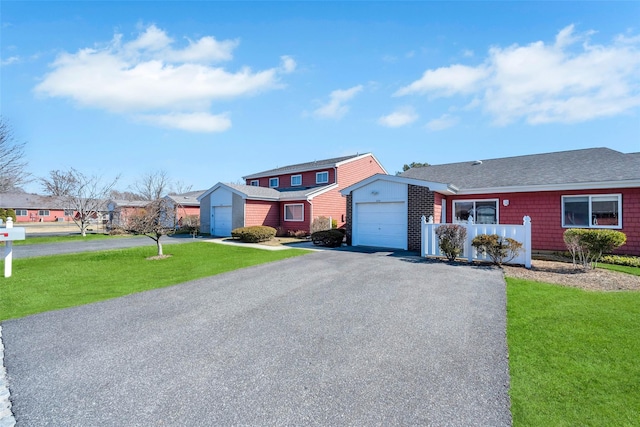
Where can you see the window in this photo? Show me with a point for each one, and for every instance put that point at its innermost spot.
(482, 211)
(274, 182)
(322, 177)
(21, 212)
(294, 212)
(255, 183)
(43, 213)
(600, 211)
(296, 180)
(68, 212)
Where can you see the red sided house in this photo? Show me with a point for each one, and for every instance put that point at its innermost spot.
(590, 188)
(287, 198)
(36, 208)
(185, 204)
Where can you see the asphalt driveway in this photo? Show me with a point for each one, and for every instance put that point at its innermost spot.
(332, 338)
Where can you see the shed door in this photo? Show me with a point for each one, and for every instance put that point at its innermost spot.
(381, 224)
(221, 221)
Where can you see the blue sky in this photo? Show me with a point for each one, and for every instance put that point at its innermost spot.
(212, 91)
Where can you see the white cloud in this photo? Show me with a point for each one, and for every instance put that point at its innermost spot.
(446, 81)
(443, 122)
(401, 117)
(568, 81)
(336, 108)
(192, 122)
(288, 65)
(148, 77)
(10, 60)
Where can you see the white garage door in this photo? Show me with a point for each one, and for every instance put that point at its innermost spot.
(381, 224)
(221, 221)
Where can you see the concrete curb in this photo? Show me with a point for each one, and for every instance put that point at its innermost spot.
(6, 416)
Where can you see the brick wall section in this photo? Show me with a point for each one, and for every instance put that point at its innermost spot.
(421, 201)
(259, 212)
(545, 210)
(349, 220)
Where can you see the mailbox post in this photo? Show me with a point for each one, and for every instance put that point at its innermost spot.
(7, 235)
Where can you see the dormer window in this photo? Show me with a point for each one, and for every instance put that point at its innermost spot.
(296, 180)
(322, 177)
(255, 183)
(274, 182)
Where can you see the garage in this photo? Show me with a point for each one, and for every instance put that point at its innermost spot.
(221, 220)
(382, 224)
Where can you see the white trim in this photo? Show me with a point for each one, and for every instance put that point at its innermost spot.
(293, 204)
(355, 237)
(321, 173)
(277, 182)
(316, 192)
(596, 185)
(26, 212)
(590, 224)
(438, 187)
(296, 176)
(255, 183)
(453, 209)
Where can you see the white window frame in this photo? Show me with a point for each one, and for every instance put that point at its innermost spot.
(474, 201)
(591, 224)
(299, 183)
(293, 219)
(318, 174)
(277, 180)
(22, 212)
(255, 183)
(44, 212)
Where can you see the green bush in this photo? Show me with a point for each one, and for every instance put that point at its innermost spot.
(629, 261)
(499, 249)
(254, 234)
(452, 238)
(331, 238)
(586, 246)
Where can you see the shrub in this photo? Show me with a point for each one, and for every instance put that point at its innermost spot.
(320, 223)
(499, 249)
(629, 261)
(452, 238)
(331, 238)
(254, 234)
(587, 246)
(334, 223)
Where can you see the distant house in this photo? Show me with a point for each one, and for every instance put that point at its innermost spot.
(36, 208)
(186, 204)
(288, 198)
(595, 188)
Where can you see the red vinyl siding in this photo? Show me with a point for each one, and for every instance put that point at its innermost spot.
(545, 210)
(259, 212)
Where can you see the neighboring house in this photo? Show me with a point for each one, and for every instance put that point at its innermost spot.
(592, 188)
(35, 208)
(121, 210)
(287, 198)
(186, 204)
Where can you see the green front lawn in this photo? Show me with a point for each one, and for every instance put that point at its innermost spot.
(60, 281)
(574, 355)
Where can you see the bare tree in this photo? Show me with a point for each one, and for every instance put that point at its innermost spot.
(83, 194)
(152, 185)
(180, 188)
(156, 219)
(59, 183)
(12, 163)
(124, 195)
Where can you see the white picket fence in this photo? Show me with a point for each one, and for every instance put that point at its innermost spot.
(522, 233)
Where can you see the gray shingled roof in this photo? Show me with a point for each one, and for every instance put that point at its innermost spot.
(31, 201)
(301, 167)
(187, 199)
(255, 192)
(565, 167)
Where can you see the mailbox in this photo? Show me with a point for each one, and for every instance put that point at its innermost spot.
(12, 234)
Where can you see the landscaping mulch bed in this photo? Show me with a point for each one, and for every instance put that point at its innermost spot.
(565, 274)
